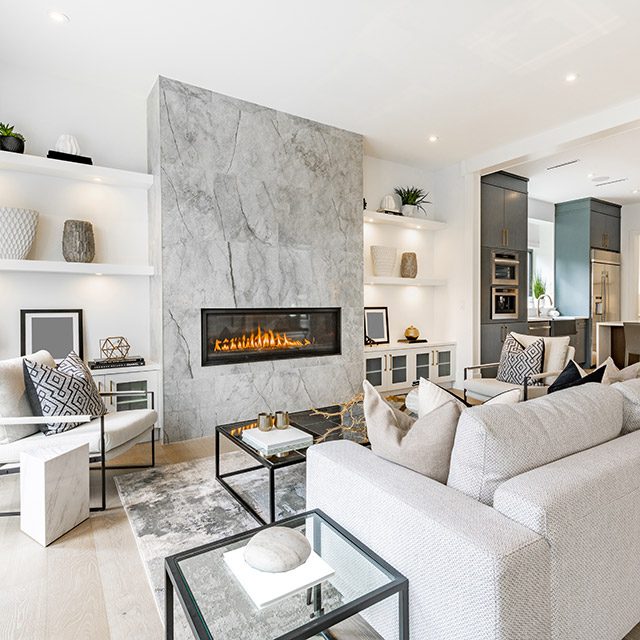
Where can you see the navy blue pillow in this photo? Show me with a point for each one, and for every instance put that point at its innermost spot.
(571, 377)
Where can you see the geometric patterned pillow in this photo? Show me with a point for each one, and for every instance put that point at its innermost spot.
(516, 362)
(65, 390)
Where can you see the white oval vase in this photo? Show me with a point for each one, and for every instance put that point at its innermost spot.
(383, 260)
(67, 143)
(17, 232)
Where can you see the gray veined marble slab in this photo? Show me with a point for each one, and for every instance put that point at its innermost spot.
(252, 207)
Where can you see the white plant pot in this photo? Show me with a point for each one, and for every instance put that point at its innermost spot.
(17, 232)
(410, 210)
(383, 260)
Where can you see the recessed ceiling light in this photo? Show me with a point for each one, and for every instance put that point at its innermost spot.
(571, 77)
(57, 16)
(98, 274)
(433, 138)
(591, 175)
(636, 191)
(97, 179)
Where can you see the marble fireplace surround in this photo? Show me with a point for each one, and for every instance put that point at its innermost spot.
(251, 207)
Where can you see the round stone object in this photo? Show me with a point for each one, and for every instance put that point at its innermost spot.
(277, 549)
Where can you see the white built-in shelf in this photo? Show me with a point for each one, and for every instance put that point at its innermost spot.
(405, 282)
(73, 170)
(423, 224)
(94, 268)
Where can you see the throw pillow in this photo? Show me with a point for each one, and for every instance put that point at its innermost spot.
(573, 376)
(13, 397)
(423, 445)
(432, 396)
(612, 374)
(65, 390)
(518, 362)
(630, 390)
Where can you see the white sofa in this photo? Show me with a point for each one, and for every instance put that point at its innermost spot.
(536, 535)
(108, 436)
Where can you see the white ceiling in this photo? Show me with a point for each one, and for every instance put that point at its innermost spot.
(616, 157)
(477, 74)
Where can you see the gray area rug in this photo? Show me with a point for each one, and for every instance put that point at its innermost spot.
(181, 506)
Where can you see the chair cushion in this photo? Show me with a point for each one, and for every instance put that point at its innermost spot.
(13, 398)
(517, 361)
(630, 391)
(119, 428)
(555, 352)
(574, 375)
(423, 445)
(65, 390)
(496, 443)
(485, 388)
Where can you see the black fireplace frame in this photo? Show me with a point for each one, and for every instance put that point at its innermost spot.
(239, 358)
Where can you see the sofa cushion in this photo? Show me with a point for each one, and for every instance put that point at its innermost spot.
(517, 361)
(432, 396)
(555, 352)
(495, 443)
(630, 391)
(613, 374)
(119, 428)
(13, 397)
(423, 445)
(65, 390)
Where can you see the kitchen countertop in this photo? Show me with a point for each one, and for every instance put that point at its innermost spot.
(546, 318)
(617, 323)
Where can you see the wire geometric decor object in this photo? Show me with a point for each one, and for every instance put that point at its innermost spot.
(114, 348)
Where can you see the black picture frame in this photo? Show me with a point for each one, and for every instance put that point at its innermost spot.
(382, 314)
(73, 338)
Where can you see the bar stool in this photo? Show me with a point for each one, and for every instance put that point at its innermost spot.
(631, 340)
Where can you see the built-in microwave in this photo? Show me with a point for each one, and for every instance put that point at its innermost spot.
(504, 303)
(505, 267)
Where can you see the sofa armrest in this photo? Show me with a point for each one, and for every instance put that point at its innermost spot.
(587, 507)
(459, 555)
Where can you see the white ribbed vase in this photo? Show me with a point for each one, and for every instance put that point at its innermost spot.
(383, 260)
(17, 232)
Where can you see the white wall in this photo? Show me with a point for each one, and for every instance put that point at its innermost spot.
(111, 128)
(630, 259)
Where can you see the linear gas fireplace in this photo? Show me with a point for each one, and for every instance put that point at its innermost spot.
(248, 335)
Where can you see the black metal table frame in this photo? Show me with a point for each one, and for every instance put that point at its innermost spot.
(320, 622)
(297, 457)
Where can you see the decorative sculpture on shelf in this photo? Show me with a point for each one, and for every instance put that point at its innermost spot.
(114, 348)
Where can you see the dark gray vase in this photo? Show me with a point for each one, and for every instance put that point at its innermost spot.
(78, 243)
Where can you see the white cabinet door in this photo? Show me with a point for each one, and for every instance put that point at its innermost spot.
(398, 370)
(375, 369)
(443, 364)
(422, 364)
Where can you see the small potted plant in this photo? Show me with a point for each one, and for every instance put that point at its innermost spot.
(413, 200)
(10, 140)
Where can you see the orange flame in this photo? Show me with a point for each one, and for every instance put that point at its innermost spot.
(259, 340)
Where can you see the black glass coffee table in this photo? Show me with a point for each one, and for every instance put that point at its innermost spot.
(217, 607)
(307, 421)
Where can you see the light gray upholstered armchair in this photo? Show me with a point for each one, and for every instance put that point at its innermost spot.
(557, 354)
(108, 436)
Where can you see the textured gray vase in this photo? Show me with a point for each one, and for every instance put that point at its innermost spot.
(409, 265)
(78, 244)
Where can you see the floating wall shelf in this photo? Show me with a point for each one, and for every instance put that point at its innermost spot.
(423, 224)
(91, 268)
(73, 170)
(404, 282)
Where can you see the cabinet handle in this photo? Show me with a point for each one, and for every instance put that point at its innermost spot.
(506, 231)
(504, 242)
(385, 362)
(111, 390)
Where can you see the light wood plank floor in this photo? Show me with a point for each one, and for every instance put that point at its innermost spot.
(91, 582)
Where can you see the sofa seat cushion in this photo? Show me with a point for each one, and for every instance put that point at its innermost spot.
(498, 442)
(119, 428)
(13, 397)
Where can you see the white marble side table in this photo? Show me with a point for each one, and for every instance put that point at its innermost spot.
(54, 490)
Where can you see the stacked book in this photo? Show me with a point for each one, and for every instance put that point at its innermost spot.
(271, 443)
(114, 363)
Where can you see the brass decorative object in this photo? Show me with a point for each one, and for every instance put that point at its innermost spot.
(265, 421)
(352, 423)
(282, 420)
(114, 348)
(411, 333)
(409, 265)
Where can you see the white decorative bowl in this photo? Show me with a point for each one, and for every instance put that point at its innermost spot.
(383, 259)
(17, 232)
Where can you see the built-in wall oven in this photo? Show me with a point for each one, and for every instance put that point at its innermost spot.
(505, 267)
(504, 303)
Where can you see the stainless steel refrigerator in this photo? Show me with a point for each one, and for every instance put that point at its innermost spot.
(605, 290)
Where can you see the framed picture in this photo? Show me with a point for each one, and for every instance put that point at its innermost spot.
(376, 324)
(58, 331)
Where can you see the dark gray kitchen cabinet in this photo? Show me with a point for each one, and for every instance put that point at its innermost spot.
(579, 341)
(605, 231)
(492, 337)
(503, 211)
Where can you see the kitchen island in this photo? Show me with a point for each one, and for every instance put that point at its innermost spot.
(610, 342)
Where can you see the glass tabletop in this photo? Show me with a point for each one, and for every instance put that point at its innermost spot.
(216, 601)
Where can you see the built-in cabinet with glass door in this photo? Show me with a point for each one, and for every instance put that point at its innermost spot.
(394, 368)
(140, 379)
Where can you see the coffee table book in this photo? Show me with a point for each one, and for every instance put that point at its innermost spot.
(265, 588)
(276, 441)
